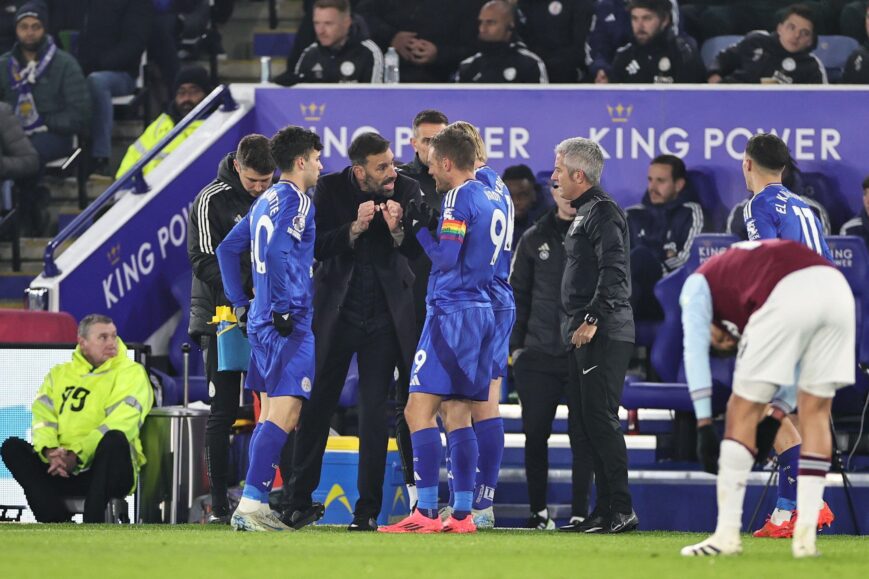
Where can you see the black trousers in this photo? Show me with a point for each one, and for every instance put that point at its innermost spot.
(376, 352)
(597, 373)
(224, 389)
(109, 477)
(646, 270)
(542, 382)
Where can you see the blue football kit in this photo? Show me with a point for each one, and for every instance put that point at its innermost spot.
(777, 213)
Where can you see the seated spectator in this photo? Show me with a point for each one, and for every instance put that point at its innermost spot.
(18, 158)
(8, 9)
(529, 203)
(342, 53)
(110, 47)
(662, 228)
(426, 124)
(557, 30)
(859, 225)
(851, 20)
(86, 421)
(502, 57)
(610, 30)
(430, 36)
(192, 85)
(784, 57)
(857, 67)
(47, 90)
(705, 19)
(656, 54)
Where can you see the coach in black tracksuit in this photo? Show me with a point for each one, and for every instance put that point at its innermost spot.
(598, 324)
(540, 363)
(363, 304)
(760, 55)
(665, 59)
(242, 177)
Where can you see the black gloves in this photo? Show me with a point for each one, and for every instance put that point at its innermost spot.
(766, 431)
(419, 215)
(240, 314)
(707, 448)
(283, 323)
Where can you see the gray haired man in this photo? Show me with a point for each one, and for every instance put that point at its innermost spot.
(598, 326)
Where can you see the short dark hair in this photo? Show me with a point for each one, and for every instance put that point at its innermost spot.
(677, 165)
(768, 151)
(429, 116)
(866, 182)
(84, 326)
(803, 10)
(292, 142)
(339, 5)
(662, 8)
(365, 145)
(518, 173)
(454, 144)
(254, 152)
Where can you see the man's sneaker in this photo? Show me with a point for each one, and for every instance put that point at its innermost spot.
(363, 524)
(712, 547)
(466, 525)
(594, 524)
(484, 518)
(257, 521)
(415, 523)
(445, 513)
(303, 517)
(770, 530)
(541, 523)
(825, 517)
(219, 516)
(572, 525)
(623, 522)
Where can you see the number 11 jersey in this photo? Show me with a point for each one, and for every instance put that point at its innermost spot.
(776, 213)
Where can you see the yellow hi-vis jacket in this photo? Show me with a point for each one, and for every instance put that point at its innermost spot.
(77, 404)
(149, 139)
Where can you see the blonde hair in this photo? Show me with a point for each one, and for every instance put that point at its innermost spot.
(474, 134)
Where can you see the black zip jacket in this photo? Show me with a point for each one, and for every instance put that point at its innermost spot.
(597, 272)
(761, 55)
(359, 61)
(665, 59)
(216, 210)
(503, 62)
(857, 67)
(556, 30)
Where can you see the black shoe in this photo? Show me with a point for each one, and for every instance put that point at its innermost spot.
(622, 522)
(540, 523)
(363, 523)
(98, 167)
(303, 517)
(594, 524)
(573, 525)
(219, 516)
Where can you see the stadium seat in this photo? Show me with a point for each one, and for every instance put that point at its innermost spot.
(714, 45)
(701, 187)
(833, 52)
(823, 189)
(25, 326)
(273, 43)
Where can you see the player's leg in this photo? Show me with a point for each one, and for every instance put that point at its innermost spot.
(489, 429)
(787, 446)
(44, 492)
(464, 452)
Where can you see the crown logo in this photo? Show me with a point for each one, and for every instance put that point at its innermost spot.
(313, 111)
(114, 254)
(620, 113)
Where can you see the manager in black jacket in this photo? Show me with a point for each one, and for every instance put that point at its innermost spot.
(363, 304)
(598, 325)
(242, 177)
(540, 365)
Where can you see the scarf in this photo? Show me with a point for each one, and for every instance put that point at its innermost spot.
(23, 80)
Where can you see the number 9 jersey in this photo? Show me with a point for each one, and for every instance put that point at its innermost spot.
(776, 213)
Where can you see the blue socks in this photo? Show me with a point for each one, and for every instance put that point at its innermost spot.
(463, 457)
(265, 454)
(426, 466)
(450, 472)
(490, 439)
(788, 467)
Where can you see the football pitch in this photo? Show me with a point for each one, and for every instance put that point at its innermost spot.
(192, 551)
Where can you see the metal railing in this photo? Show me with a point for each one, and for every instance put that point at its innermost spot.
(134, 176)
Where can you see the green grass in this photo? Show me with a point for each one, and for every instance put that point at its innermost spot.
(188, 551)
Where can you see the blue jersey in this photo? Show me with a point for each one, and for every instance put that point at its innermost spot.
(279, 232)
(471, 235)
(501, 292)
(777, 213)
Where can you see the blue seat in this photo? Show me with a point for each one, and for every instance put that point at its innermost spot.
(823, 189)
(273, 43)
(833, 52)
(701, 187)
(714, 45)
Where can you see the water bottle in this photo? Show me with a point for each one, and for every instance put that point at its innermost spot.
(265, 69)
(390, 69)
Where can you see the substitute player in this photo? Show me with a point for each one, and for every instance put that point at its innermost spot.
(774, 212)
(453, 364)
(279, 232)
(792, 315)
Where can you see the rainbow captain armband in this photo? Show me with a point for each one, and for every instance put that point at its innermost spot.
(233, 349)
(453, 230)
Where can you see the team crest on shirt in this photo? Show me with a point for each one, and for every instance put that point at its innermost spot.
(348, 68)
(789, 64)
(543, 252)
(664, 64)
(555, 8)
(306, 384)
(751, 229)
(448, 213)
(510, 74)
(299, 223)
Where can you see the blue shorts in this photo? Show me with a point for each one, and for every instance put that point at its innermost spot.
(281, 366)
(454, 356)
(504, 320)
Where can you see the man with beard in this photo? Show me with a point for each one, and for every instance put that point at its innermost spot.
(363, 305)
(502, 57)
(191, 87)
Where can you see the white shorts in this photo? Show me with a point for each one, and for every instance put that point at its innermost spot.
(804, 335)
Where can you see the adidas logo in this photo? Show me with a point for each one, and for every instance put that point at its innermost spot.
(544, 247)
(414, 381)
(633, 67)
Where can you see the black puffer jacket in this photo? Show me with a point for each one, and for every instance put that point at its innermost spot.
(216, 210)
(760, 55)
(538, 265)
(597, 273)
